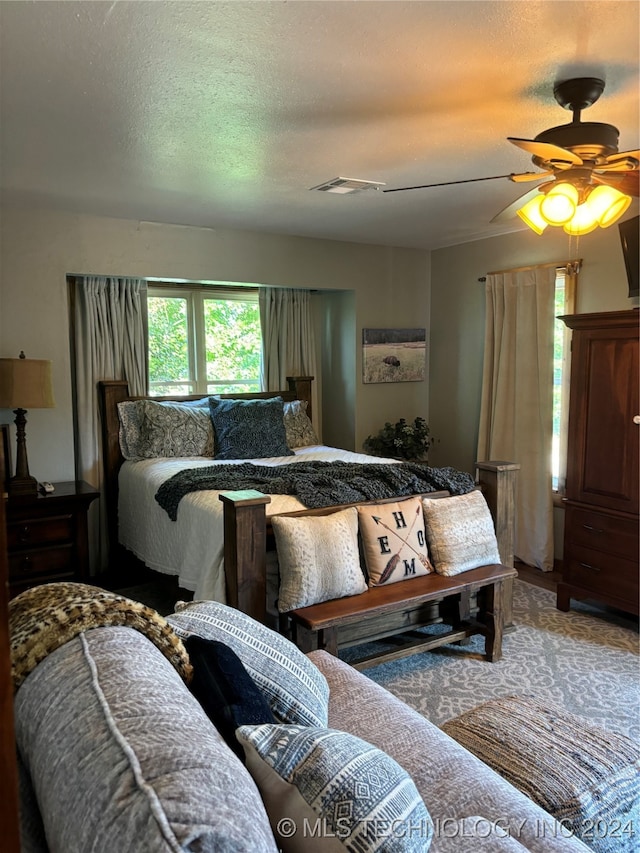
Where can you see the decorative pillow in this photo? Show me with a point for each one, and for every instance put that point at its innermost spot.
(295, 689)
(318, 557)
(460, 533)
(298, 426)
(123, 758)
(249, 429)
(149, 429)
(393, 541)
(224, 688)
(326, 790)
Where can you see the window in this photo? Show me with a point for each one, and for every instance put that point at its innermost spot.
(203, 340)
(564, 304)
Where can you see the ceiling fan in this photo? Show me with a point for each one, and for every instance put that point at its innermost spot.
(591, 183)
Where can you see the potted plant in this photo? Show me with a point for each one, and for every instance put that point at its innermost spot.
(402, 440)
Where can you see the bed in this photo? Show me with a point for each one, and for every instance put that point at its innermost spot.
(202, 548)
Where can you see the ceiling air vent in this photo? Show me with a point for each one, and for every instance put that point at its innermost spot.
(347, 185)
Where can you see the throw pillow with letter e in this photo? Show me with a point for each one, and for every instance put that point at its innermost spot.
(394, 541)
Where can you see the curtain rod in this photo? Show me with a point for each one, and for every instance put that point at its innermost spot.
(571, 267)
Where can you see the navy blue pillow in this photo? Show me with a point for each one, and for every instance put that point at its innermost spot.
(226, 691)
(249, 429)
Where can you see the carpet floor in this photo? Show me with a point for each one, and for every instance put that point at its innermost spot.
(585, 660)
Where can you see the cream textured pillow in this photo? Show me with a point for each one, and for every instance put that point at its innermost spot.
(318, 557)
(393, 541)
(460, 533)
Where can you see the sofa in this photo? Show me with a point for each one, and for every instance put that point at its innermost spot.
(116, 753)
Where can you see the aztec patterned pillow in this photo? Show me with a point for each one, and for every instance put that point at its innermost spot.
(249, 429)
(460, 533)
(356, 796)
(149, 429)
(318, 557)
(296, 690)
(298, 426)
(393, 541)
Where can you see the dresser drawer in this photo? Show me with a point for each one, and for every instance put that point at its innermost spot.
(601, 572)
(608, 533)
(36, 532)
(47, 561)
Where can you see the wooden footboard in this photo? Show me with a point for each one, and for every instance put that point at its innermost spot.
(246, 529)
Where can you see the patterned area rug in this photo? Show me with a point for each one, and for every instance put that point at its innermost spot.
(585, 660)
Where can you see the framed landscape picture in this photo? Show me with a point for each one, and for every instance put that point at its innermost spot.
(393, 355)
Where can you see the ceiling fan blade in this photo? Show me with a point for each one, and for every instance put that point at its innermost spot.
(510, 210)
(529, 176)
(445, 184)
(546, 151)
(625, 161)
(627, 182)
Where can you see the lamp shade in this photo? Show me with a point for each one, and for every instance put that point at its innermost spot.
(25, 383)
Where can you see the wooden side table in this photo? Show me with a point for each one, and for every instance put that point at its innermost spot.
(47, 536)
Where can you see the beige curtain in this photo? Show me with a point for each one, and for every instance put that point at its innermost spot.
(288, 340)
(110, 342)
(517, 394)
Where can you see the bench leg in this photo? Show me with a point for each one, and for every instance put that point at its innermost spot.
(494, 615)
(306, 641)
(328, 640)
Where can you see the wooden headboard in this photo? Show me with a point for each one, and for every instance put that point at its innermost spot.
(112, 392)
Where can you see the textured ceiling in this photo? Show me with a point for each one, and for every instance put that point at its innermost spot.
(225, 114)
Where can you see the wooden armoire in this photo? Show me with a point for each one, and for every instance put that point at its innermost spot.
(601, 533)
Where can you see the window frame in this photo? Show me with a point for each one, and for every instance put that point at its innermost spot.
(195, 296)
(569, 307)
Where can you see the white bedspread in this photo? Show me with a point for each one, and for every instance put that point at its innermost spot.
(192, 546)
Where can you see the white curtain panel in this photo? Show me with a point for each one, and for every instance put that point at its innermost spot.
(517, 399)
(288, 340)
(110, 340)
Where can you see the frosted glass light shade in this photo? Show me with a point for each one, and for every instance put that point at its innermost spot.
(559, 204)
(530, 213)
(582, 221)
(607, 204)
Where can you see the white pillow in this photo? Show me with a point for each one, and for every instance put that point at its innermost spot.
(318, 557)
(460, 533)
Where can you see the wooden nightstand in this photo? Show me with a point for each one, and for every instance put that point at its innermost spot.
(47, 536)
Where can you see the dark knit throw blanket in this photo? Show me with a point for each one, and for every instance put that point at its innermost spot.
(316, 484)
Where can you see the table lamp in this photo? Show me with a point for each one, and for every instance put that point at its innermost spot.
(25, 383)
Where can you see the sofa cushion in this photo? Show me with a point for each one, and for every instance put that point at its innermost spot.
(122, 757)
(393, 541)
(460, 533)
(296, 691)
(326, 790)
(224, 688)
(318, 558)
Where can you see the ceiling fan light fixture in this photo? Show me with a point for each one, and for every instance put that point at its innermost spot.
(607, 204)
(530, 214)
(559, 205)
(582, 221)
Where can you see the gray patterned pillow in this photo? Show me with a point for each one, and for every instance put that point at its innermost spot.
(149, 429)
(318, 557)
(249, 429)
(299, 429)
(357, 797)
(460, 533)
(296, 690)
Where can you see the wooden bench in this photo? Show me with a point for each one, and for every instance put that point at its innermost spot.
(384, 611)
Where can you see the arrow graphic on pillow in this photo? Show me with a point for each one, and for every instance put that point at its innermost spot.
(394, 560)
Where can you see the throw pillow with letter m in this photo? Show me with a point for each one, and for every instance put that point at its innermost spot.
(394, 541)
